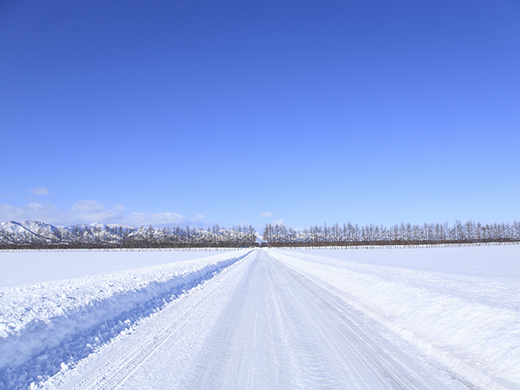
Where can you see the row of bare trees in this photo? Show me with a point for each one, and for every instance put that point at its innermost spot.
(114, 236)
(399, 234)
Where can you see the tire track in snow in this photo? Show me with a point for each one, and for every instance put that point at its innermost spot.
(115, 366)
(264, 326)
(47, 347)
(239, 352)
(361, 358)
(458, 370)
(280, 330)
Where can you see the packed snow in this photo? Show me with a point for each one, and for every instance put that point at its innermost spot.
(409, 318)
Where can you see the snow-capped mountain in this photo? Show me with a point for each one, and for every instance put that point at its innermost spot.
(40, 234)
(29, 228)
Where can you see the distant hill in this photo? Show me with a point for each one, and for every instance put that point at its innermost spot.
(37, 234)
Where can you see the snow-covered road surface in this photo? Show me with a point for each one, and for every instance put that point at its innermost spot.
(260, 324)
(279, 330)
(426, 318)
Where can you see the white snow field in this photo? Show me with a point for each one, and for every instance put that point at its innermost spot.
(414, 318)
(31, 267)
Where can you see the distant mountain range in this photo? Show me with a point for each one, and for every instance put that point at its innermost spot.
(37, 234)
(40, 235)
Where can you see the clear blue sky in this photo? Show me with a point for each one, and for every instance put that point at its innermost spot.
(235, 112)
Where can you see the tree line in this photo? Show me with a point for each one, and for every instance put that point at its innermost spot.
(277, 235)
(399, 234)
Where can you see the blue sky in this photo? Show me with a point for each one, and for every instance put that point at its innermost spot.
(202, 112)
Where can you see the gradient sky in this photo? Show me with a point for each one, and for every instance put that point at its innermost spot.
(233, 112)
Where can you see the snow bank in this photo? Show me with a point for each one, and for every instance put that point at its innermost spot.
(46, 324)
(471, 323)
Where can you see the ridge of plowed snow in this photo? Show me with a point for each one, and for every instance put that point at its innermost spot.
(38, 319)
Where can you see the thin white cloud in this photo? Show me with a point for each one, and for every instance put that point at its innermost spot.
(119, 208)
(267, 214)
(90, 211)
(32, 211)
(278, 222)
(155, 219)
(10, 212)
(39, 191)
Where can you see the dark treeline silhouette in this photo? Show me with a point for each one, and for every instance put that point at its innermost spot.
(114, 236)
(399, 234)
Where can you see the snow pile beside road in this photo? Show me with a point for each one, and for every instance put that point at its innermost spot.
(46, 324)
(471, 323)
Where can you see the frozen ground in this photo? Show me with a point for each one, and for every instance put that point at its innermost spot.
(431, 318)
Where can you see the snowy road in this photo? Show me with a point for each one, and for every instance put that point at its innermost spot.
(260, 324)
